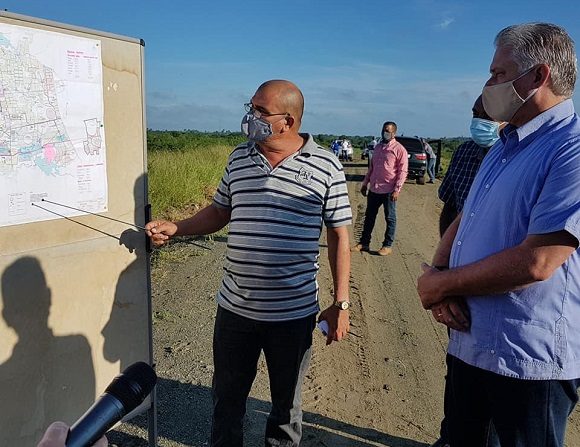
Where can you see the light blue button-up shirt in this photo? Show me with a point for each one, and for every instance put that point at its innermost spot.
(529, 183)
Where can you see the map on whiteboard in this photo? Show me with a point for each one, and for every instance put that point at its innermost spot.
(52, 139)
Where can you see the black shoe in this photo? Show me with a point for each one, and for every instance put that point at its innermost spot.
(430, 181)
(440, 443)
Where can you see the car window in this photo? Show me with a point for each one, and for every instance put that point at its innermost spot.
(413, 145)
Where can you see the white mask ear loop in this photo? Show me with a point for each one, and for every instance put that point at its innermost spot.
(521, 76)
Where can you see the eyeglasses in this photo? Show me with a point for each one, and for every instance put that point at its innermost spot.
(258, 113)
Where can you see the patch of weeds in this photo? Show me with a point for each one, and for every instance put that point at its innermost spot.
(163, 258)
(163, 316)
(178, 251)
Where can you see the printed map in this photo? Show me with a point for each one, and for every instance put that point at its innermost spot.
(52, 143)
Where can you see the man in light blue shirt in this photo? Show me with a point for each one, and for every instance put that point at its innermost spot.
(511, 294)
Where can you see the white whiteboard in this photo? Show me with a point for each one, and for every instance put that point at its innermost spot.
(75, 300)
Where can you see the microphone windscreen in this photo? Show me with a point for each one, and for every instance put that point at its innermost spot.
(133, 385)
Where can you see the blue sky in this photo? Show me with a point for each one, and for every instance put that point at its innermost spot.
(420, 63)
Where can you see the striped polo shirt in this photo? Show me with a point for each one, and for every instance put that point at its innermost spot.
(276, 221)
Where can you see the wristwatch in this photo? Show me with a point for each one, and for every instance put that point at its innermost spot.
(342, 305)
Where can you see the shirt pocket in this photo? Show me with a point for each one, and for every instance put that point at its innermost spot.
(527, 341)
(390, 160)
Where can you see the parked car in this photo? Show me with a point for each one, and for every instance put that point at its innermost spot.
(367, 151)
(417, 158)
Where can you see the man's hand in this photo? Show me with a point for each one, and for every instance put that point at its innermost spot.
(363, 190)
(453, 313)
(429, 287)
(160, 231)
(338, 323)
(394, 196)
(56, 434)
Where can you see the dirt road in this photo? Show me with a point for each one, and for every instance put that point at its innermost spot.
(383, 387)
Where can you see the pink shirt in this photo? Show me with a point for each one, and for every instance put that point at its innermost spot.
(388, 169)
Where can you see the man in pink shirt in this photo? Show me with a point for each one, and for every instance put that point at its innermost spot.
(383, 182)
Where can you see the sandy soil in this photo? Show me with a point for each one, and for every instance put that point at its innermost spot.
(383, 387)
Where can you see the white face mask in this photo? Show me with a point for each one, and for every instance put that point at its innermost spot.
(387, 136)
(502, 101)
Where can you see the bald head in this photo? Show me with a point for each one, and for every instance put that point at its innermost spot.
(286, 95)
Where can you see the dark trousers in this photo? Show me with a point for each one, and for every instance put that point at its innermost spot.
(524, 413)
(374, 202)
(492, 440)
(237, 344)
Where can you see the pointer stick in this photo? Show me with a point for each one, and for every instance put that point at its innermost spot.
(105, 217)
(95, 214)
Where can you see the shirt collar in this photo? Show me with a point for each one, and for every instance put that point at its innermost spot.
(545, 119)
(388, 143)
(307, 150)
(309, 147)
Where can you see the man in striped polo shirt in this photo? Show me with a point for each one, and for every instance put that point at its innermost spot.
(277, 191)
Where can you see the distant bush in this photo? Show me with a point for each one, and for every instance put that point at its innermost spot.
(190, 139)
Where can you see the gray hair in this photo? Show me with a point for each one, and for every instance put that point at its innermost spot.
(543, 43)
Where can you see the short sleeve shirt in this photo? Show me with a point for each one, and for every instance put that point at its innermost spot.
(528, 184)
(276, 220)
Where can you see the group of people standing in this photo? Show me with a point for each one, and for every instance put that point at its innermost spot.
(505, 278)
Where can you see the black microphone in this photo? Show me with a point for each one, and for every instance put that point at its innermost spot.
(127, 391)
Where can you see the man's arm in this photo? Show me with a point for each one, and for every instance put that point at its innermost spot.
(448, 215)
(535, 259)
(451, 311)
(446, 190)
(365, 182)
(443, 251)
(339, 259)
(402, 169)
(209, 220)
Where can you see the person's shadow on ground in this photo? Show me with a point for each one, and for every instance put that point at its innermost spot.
(44, 370)
(184, 416)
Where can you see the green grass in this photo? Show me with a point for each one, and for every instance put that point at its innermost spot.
(184, 170)
(182, 181)
(449, 146)
(446, 154)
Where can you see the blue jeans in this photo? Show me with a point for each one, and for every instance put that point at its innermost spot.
(374, 202)
(524, 413)
(237, 344)
(431, 168)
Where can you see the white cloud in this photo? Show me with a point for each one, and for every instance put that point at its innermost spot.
(444, 24)
(347, 99)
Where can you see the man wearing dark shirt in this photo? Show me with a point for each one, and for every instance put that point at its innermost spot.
(464, 164)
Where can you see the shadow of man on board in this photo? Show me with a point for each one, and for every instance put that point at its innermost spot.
(126, 333)
(47, 377)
